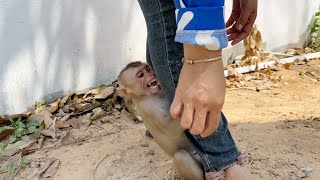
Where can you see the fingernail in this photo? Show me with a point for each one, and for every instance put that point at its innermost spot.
(240, 27)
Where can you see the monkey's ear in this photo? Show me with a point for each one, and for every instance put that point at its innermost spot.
(123, 92)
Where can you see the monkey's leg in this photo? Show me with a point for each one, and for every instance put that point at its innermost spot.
(188, 166)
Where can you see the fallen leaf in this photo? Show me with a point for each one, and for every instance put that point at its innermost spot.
(15, 147)
(60, 113)
(63, 101)
(61, 125)
(66, 108)
(65, 118)
(47, 119)
(16, 116)
(39, 118)
(5, 133)
(53, 107)
(81, 108)
(30, 149)
(85, 121)
(95, 91)
(97, 113)
(74, 122)
(49, 133)
(287, 65)
(106, 92)
(67, 139)
(4, 121)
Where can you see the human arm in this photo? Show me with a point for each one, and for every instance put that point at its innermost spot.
(200, 93)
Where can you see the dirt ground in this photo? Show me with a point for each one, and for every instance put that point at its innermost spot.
(280, 126)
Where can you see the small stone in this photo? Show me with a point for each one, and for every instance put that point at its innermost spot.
(307, 170)
(286, 84)
(144, 145)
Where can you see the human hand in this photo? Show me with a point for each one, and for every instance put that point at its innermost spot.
(240, 23)
(200, 95)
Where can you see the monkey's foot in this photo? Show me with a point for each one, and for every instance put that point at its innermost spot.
(244, 158)
(221, 175)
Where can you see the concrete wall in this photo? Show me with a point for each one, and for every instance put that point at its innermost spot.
(57, 46)
(50, 48)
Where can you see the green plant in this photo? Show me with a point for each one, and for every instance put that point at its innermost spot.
(21, 129)
(24, 163)
(40, 102)
(314, 30)
(2, 148)
(11, 167)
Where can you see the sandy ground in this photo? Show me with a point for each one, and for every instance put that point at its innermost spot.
(279, 126)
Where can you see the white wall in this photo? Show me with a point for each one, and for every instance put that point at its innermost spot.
(57, 46)
(283, 24)
(49, 48)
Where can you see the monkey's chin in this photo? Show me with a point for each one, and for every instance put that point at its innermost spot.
(155, 89)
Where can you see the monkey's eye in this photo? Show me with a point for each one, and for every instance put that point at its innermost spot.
(140, 75)
(148, 68)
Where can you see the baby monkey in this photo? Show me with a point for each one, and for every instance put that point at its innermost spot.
(138, 86)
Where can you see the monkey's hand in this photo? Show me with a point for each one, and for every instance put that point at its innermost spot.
(200, 94)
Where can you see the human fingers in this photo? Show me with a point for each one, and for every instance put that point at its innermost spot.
(199, 121)
(232, 36)
(245, 32)
(212, 123)
(242, 21)
(187, 116)
(176, 108)
(232, 30)
(230, 21)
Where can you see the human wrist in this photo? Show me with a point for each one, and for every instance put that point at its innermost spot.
(195, 52)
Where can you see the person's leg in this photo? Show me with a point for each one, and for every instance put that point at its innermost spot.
(217, 151)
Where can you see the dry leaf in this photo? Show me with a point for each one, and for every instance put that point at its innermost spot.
(47, 119)
(67, 139)
(66, 108)
(85, 121)
(13, 148)
(60, 113)
(30, 149)
(6, 133)
(97, 113)
(48, 133)
(74, 122)
(259, 41)
(63, 101)
(53, 107)
(65, 118)
(287, 65)
(83, 107)
(61, 125)
(4, 121)
(95, 91)
(16, 116)
(37, 117)
(106, 92)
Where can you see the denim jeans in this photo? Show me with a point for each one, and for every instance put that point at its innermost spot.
(218, 151)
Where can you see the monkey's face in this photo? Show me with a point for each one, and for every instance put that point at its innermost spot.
(142, 81)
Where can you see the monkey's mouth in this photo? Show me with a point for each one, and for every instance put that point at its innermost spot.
(153, 84)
